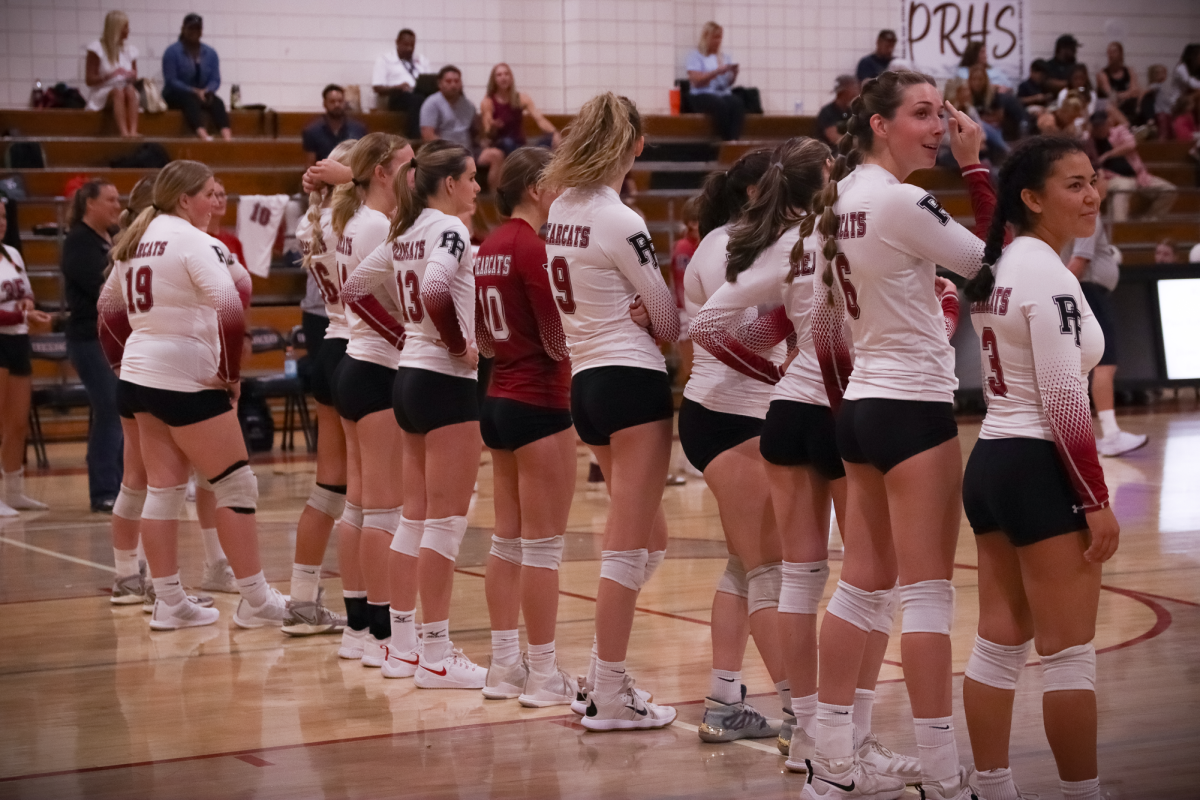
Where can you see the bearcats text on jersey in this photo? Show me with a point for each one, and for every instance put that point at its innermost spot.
(569, 235)
(996, 304)
(148, 249)
(493, 265)
(408, 251)
(852, 225)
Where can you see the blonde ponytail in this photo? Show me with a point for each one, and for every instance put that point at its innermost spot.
(596, 143)
(177, 179)
(373, 150)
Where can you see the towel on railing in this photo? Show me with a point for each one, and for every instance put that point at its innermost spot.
(258, 219)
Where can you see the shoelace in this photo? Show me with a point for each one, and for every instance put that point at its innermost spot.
(745, 718)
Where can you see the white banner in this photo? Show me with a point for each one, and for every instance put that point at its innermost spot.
(934, 35)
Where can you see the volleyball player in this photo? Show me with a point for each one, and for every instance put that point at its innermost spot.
(362, 394)
(327, 499)
(602, 260)
(1034, 491)
(171, 317)
(895, 431)
(428, 253)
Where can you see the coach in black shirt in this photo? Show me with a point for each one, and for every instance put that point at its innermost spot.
(830, 117)
(330, 130)
(94, 213)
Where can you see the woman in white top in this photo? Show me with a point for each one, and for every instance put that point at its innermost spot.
(1034, 491)
(362, 394)
(172, 319)
(428, 254)
(112, 73)
(601, 263)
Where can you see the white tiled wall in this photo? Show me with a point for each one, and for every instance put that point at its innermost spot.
(562, 51)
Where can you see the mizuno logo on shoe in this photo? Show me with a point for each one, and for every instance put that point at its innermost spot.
(639, 711)
(442, 672)
(849, 788)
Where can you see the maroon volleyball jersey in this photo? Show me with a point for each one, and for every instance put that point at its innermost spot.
(516, 319)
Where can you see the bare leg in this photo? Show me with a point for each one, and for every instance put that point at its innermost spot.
(126, 532)
(131, 111)
(1103, 377)
(451, 466)
(166, 466)
(380, 452)
(16, 393)
(116, 100)
(349, 537)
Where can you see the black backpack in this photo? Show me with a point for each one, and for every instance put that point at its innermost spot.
(148, 155)
(25, 155)
(254, 415)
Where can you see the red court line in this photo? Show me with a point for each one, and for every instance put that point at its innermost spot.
(254, 761)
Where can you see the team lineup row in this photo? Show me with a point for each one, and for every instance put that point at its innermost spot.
(825, 377)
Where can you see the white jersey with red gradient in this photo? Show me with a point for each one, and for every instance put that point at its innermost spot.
(1038, 342)
(325, 271)
(176, 309)
(14, 287)
(601, 257)
(365, 231)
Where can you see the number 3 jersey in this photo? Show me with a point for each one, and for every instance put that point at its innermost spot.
(1038, 341)
(516, 319)
(14, 287)
(324, 268)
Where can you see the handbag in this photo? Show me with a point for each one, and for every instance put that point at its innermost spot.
(151, 96)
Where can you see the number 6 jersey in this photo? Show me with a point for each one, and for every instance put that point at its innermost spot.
(324, 268)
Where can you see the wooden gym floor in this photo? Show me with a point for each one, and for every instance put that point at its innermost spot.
(94, 705)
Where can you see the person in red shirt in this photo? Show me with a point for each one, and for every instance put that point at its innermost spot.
(220, 204)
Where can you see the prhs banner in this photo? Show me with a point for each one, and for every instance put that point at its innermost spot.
(934, 35)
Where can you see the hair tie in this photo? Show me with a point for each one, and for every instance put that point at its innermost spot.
(777, 164)
(156, 208)
(412, 162)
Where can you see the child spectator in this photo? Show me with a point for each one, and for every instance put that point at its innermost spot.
(1080, 84)
(1164, 252)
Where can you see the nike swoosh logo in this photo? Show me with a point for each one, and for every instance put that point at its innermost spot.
(940, 727)
(843, 713)
(849, 788)
(414, 662)
(434, 671)
(727, 680)
(640, 711)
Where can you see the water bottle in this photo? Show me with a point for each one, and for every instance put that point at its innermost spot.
(235, 96)
(37, 95)
(289, 363)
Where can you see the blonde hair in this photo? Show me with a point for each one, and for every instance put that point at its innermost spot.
(706, 33)
(373, 150)
(316, 201)
(596, 143)
(514, 97)
(114, 23)
(141, 196)
(437, 161)
(176, 179)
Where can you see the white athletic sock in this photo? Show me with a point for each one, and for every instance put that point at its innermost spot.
(805, 711)
(170, 590)
(591, 676)
(835, 731)
(1108, 422)
(436, 637)
(609, 677)
(653, 562)
(725, 686)
(306, 581)
(126, 562)
(213, 552)
(936, 748)
(784, 690)
(997, 784)
(1080, 790)
(541, 658)
(404, 630)
(864, 703)
(506, 647)
(14, 484)
(254, 589)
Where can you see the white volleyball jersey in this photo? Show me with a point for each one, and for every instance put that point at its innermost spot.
(177, 300)
(258, 219)
(365, 231)
(601, 257)
(325, 271)
(1038, 342)
(890, 237)
(722, 315)
(14, 287)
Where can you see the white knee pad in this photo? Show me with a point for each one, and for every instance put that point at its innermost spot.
(382, 519)
(542, 553)
(1073, 669)
(997, 665)
(857, 606)
(327, 501)
(407, 539)
(887, 613)
(444, 536)
(129, 503)
(626, 567)
(802, 586)
(764, 583)
(506, 549)
(238, 489)
(352, 515)
(164, 503)
(733, 580)
(928, 607)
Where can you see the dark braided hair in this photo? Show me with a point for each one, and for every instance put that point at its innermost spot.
(724, 194)
(1027, 167)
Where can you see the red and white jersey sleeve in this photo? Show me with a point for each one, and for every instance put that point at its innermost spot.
(890, 238)
(324, 267)
(365, 232)
(14, 287)
(183, 308)
(361, 295)
(601, 258)
(1038, 341)
(241, 277)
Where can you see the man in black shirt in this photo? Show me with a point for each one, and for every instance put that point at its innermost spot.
(875, 64)
(1059, 68)
(1032, 91)
(94, 213)
(330, 130)
(830, 117)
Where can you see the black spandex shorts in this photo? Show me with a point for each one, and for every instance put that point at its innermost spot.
(424, 400)
(704, 434)
(508, 424)
(802, 435)
(605, 400)
(1100, 299)
(1019, 487)
(324, 366)
(361, 388)
(176, 409)
(14, 354)
(884, 433)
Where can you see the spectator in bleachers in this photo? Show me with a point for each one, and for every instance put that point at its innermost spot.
(1116, 152)
(1164, 252)
(711, 75)
(1058, 69)
(111, 73)
(995, 149)
(875, 64)
(1185, 119)
(1156, 79)
(191, 77)
(95, 209)
(1117, 83)
(999, 109)
(1080, 84)
(1184, 80)
(331, 128)
(395, 80)
(832, 116)
(449, 115)
(503, 112)
(1066, 120)
(1032, 91)
(976, 53)
(219, 231)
